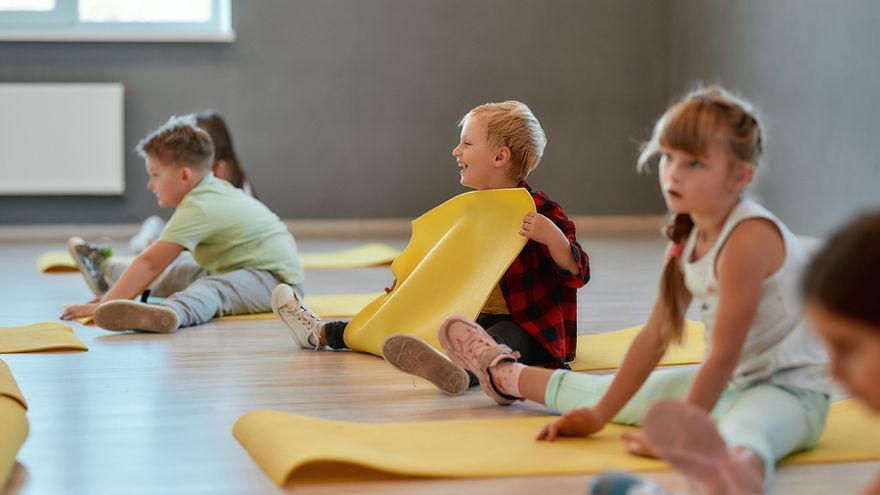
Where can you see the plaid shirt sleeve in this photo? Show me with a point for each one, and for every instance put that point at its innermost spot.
(554, 212)
(541, 297)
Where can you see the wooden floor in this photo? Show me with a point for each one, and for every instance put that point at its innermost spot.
(145, 413)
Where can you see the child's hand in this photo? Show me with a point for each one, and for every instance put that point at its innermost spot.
(79, 311)
(391, 287)
(575, 423)
(637, 444)
(541, 229)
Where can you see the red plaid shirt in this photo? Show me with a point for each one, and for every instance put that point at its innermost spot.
(541, 297)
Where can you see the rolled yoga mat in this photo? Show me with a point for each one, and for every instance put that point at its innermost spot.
(456, 256)
(290, 447)
(13, 422)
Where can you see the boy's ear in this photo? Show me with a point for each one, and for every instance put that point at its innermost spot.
(502, 156)
(186, 173)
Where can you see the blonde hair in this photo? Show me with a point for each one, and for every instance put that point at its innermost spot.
(704, 116)
(179, 142)
(512, 124)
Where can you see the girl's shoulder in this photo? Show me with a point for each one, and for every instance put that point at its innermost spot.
(754, 244)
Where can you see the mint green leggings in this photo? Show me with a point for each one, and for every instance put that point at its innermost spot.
(771, 420)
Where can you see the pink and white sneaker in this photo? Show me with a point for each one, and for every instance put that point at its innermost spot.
(470, 347)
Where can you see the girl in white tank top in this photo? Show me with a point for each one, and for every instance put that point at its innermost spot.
(778, 348)
(761, 392)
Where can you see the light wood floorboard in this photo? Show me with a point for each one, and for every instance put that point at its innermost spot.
(145, 413)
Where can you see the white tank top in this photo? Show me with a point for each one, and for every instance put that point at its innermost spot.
(779, 348)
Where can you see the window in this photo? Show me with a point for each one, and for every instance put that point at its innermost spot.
(116, 20)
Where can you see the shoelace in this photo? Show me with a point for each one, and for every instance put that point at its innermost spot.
(307, 317)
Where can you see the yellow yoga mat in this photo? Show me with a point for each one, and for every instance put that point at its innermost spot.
(44, 336)
(13, 422)
(605, 351)
(375, 254)
(61, 262)
(456, 256)
(289, 446)
(325, 305)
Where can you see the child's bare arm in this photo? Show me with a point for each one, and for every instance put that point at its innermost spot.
(643, 355)
(753, 251)
(541, 229)
(640, 360)
(143, 270)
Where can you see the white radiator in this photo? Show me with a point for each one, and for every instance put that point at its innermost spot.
(61, 139)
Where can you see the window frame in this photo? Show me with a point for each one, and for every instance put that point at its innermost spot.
(63, 24)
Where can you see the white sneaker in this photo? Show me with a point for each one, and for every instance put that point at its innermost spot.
(304, 325)
(150, 231)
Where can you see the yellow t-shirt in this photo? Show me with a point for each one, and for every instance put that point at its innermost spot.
(227, 230)
(496, 305)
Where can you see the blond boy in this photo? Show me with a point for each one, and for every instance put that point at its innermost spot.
(533, 310)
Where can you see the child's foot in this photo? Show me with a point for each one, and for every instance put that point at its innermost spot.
(470, 347)
(413, 355)
(304, 325)
(685, 436)
(620, 483)
(90, 261)
(150, 231)
(120, 316)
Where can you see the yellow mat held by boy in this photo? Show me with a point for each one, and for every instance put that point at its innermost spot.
(458, 253)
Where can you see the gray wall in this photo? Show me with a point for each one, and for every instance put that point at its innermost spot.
(813, 68)
(347, 108)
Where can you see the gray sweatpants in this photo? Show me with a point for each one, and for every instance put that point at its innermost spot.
(197, 296)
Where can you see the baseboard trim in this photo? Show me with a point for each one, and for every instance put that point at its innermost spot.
(318, 228)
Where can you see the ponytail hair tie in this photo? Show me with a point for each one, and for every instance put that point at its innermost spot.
(676, 249)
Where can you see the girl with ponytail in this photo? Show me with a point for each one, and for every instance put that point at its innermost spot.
(762, 377)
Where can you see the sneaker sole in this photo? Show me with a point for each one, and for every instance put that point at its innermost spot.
(414, 356)
(72, 243)
(121, 316)
(481, 374)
